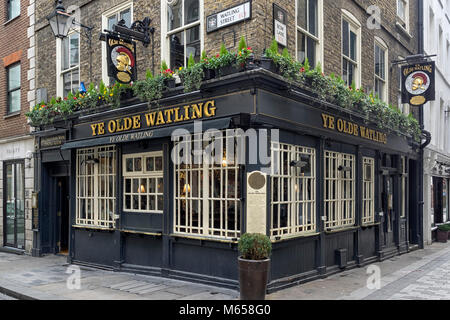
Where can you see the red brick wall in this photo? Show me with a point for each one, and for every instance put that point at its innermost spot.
(13, 48)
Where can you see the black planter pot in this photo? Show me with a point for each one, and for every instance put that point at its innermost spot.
(127, 94)
(442, 236)
(209, 74)
(169, 83)
(253, 276)
(268, 64)
(225, 71)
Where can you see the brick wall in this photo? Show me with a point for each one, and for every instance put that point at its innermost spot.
(257, 31)
(14, 48)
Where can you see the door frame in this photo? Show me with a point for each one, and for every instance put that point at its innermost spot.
(5, 185)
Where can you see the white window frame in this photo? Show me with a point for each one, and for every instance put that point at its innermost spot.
(383, 46)
(59, 63)
(282, 156)
(404, 107)
(105, 16)
(355, 27)
(368, 196)
(405, 20)
(204, 200)
(99, 218)
(318, 39)
(336, 217)
(146, 175)
(165, 34)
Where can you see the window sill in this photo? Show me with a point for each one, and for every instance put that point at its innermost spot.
(403, 30)
(11, 115)
(93, 228)
(11, 20)
(158, 234)
(370, 225)
(293, 237)
(338, 230)
(175, 235)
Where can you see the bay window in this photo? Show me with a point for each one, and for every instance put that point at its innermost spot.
(207, 194)
(96, 187)
(143, 182)
(293, 185)
(308, 31)
(368, 208)
(351, 49)
(339, 190)
(183, 31)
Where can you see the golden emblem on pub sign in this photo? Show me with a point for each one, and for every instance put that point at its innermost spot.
(418, 83)
(121, 59)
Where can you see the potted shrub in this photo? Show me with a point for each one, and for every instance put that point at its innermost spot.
(192, 76)
(224, 62)
(244, 57)
(208, 69)
(254, 265)
(167, 74)
(443, 232)
(267, 61)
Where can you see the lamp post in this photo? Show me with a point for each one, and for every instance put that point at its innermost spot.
(61, 23)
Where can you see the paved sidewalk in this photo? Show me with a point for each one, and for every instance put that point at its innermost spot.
(418, 275)
(45, 278)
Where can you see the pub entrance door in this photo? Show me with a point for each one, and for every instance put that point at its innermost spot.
(387, 199)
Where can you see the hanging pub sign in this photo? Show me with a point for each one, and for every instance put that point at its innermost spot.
(121, 59)
(229, 17)
(280, 25)
(418, 83)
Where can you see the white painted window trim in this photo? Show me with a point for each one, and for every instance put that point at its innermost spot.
(403, 194)
(336, 217)
(205, 200)
(165, 43)
(319, 39)
(143, 174)
(355, 26)
(293, 226)
(368, 209)
(59, 72)
(99, 218)
(105, 16)
(380, 43)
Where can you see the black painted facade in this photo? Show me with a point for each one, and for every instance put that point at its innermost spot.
(145, 243)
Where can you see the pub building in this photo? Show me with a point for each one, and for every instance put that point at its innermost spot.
(333, 192)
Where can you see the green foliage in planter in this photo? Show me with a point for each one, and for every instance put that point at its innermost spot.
(166, 72)
(223, 59)
(255, 246)
(149, 89)
(444, 227)
(244, 53)
(192, 76)
(289, 68)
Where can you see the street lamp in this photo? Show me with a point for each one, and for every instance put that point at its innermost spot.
(60, 21)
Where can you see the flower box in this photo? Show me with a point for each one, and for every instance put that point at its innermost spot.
(268, 64)
(209, 74)
(126, 94)
(170, 83)
(442, 236)
(225, 71)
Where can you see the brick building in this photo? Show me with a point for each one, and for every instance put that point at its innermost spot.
(16, 145)
(350, 38)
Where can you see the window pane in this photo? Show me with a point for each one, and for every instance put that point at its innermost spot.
(158, 164)
(126, 15)
(112, 21)
(313, 17)
(65, 54)
(174, 15)
(177, 50)
(301, 47)
(14, 101)
(191, 11)
(13, 8)
(302, 14)
(377, 60)
(311, 52)
(193, 43)
(352, 45)
(150, 164)
(129, 165)
(345, 39)
(74, 50)
(14, 77)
